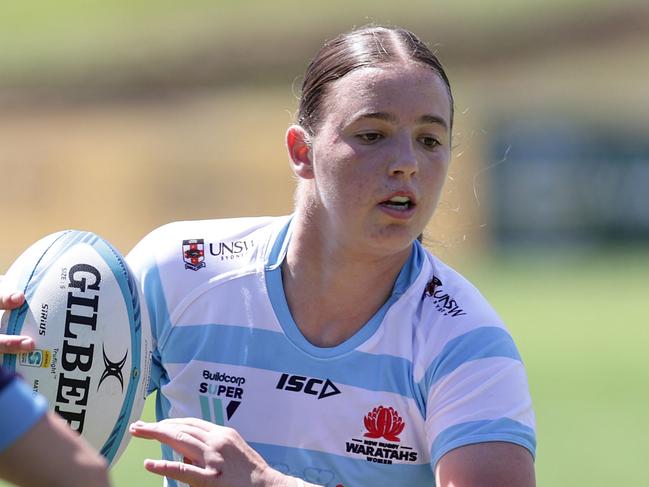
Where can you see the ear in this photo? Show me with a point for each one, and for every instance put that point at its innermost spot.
(299, 150)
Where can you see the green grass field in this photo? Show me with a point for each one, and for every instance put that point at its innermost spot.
(581, 324)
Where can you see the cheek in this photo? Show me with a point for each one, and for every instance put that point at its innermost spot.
(339, 173)
(435, 178)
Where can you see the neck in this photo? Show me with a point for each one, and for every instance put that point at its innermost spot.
(333, 288)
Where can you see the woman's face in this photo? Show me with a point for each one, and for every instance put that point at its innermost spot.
(380, 156)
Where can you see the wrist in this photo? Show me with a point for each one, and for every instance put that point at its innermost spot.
(275, 478)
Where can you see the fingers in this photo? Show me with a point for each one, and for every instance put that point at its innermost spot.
(12, 301)
(185, 439)
(197, 423)
(185, 472)
(16, 344)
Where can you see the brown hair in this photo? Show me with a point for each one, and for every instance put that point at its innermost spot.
(366, 47)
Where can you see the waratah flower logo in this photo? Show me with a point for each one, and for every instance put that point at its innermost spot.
(384, 423)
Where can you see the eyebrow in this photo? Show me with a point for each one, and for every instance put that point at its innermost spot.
(387, 117)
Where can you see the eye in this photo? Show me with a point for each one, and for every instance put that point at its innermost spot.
(369, 137)
(429, 142)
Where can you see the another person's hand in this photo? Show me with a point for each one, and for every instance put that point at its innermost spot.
(215, 456)
(14, 343)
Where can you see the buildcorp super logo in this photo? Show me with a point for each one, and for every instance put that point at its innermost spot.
(381, 442)
(220, 395)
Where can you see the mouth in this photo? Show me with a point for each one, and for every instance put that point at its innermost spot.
(399, 203)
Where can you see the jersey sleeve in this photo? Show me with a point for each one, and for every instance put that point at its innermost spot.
(143, 263)
(20, 409)
(477, 392)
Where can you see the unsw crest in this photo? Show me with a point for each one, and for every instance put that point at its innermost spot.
(194, 254)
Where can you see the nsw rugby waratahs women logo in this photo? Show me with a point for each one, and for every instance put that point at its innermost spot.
(384, 423)
(381, 442)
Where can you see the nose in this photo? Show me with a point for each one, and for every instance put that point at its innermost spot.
(404, 161)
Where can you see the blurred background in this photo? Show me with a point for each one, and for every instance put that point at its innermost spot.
(120, 116)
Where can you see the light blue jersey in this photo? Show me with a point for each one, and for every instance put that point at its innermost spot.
(20, 409)
(433, 370)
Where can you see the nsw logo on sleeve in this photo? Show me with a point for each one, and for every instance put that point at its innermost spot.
(194, 254)
(443, 302)
(381, 442)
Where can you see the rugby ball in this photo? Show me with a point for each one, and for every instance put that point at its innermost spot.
(92, 335)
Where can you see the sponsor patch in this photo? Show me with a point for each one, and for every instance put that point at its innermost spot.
(443, 302)
(308, 385)
(381, 442)
(220, 395)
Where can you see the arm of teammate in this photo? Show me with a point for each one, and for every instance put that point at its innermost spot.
(491, 464)
(214, 455)
(50, 453)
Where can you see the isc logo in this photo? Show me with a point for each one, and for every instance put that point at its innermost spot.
(308, 385)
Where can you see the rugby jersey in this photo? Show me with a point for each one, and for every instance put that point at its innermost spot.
(434, 369)
(20, 408)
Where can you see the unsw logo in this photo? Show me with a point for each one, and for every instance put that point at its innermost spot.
(442, 301)
(231, 250)
(307, 385)
(194, 253)
(382, 423)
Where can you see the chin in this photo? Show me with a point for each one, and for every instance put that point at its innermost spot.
(394, 238)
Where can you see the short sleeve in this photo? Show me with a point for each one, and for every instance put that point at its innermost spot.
(142, 262)
(20, 409)
(477, 391)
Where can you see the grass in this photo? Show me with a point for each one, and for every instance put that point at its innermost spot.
(580, 322)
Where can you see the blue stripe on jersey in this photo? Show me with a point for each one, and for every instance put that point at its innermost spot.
(484, 342)
(329, 470)
(406, 277)
(270, 350)
(159, 318)
(503, 429)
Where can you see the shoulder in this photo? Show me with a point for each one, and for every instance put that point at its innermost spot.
(457, 326)
(209, 246)
(470, 374)
(178, 261)
(450, 300)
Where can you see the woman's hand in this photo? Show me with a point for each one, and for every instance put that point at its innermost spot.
(215, 456)
(14, 343)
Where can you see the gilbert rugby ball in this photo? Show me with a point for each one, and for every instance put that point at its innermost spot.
(92, 335)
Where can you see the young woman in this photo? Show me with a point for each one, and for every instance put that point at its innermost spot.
(329, 346)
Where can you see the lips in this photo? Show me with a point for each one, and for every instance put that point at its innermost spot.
(400, 205)
(400, 201)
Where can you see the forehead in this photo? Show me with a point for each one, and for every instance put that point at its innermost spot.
(405, 90)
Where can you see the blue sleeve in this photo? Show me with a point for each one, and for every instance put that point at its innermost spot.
(142, 262)
(20, 409)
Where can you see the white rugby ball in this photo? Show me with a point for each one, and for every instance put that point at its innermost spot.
(92, 335)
